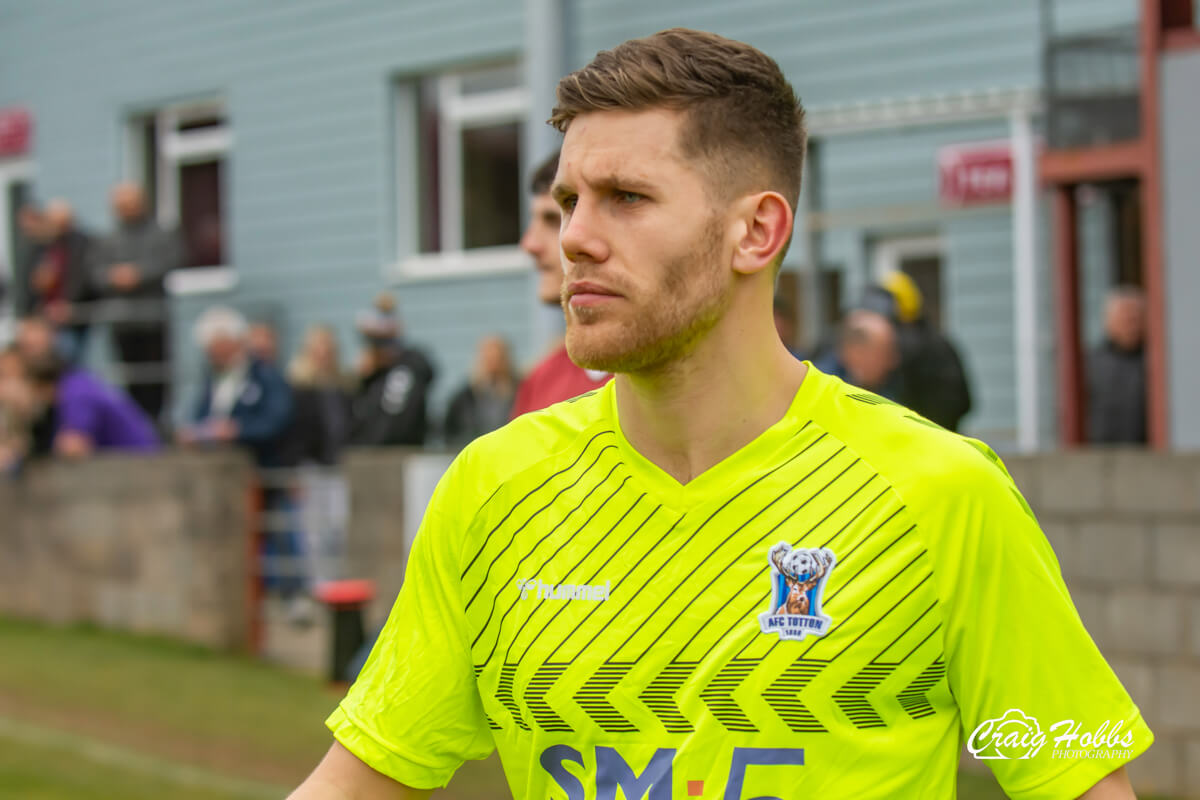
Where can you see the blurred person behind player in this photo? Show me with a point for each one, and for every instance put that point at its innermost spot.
(390, 405)
(89, 416)
(867, 353)
(129, 267)
(1116, 372)
(317, 436)
(932, 378)
(485, 402)
(724, 570)
(556, 377)
(17, 410)
(59, 280)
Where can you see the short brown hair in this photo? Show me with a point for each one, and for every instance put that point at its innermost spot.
(543, 176)
(743, 117)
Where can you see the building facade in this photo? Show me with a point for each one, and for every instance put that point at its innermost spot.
(315, 152)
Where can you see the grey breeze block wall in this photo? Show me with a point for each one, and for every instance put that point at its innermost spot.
(151, 545)
(160, 545)
(1125, 526)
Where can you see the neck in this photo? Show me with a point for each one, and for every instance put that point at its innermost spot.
(690, 414)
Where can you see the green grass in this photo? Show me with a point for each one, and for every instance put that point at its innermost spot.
(86, 713)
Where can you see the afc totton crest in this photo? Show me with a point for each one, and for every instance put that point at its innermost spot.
(798, 579)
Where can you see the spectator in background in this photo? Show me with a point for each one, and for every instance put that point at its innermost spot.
(263, 342)
(90, 415)
(485, 402)
(1116, 372)
(16, 410)
(246, 402)
(36, 342)
(867, 353)
(59, 277)
(319, 431)
(128, 269)
(243, 401)
(555, 378)
(390, 404)
(933, 380)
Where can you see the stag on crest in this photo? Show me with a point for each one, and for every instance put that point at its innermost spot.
(801, 571)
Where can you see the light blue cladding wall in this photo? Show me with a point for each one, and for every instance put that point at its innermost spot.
(848, 52)
(308, 87)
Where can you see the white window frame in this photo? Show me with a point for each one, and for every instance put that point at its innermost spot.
(458, 113)
(11, 171)
(890, 252)
(176, 148)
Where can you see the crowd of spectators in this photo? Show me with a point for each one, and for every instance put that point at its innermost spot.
(296, 420)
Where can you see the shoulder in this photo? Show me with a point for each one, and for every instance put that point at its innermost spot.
(922, 461)
(537, 441)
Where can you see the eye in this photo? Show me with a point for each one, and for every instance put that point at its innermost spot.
(628, 198)
(567, 202)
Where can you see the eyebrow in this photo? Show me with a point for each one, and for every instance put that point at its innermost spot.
(608, 183)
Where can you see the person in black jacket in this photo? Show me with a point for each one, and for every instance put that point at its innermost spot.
(1116, 372)
(485, 402)
(390, 404)
(57, 276)
(933, 379)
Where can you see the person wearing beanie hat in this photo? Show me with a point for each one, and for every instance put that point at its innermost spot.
(389, 407)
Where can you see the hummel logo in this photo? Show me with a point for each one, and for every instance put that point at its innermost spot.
(564, 591)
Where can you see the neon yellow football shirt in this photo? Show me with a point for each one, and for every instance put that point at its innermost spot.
(830, 612)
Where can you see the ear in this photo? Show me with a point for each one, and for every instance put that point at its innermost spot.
(766, 225)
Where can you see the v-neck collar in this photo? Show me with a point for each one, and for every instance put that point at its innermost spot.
(726, 471)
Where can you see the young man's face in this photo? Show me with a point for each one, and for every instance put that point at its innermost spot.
(646, 253)
(540, 240)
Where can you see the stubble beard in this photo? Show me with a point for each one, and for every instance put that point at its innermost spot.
(691, 299)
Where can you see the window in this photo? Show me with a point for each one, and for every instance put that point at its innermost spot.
(179, 154)
(468, 186)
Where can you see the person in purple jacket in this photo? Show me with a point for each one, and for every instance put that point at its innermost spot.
(89, 415)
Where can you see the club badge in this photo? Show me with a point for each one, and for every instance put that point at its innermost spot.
(798, 578)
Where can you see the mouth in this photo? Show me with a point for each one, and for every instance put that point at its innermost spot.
(586, 293)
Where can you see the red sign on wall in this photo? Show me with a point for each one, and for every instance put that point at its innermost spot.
(16, 129)
(974, 174)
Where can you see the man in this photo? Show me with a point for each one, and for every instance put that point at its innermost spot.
(89, 415)
(247, 402)
(932, 380)
(594, 590)
(59, 278)
(1116, 372)
(867, 354)
(243, 400)
(390, 405)
(128, 270)
(556, 377)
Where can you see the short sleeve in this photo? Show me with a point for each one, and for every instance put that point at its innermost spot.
(1022, 667)
(414, 713)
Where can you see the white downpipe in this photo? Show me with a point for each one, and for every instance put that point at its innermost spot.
(1024, 211)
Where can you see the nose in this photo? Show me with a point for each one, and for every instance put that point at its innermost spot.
(580, 237)
(529, 240)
